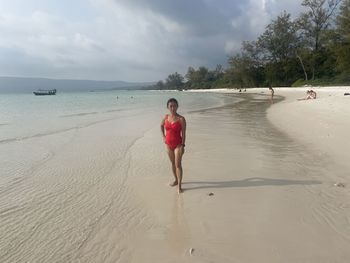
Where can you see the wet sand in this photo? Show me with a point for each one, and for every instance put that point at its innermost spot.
(272, 200)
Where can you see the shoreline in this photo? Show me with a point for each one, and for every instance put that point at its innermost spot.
(321, 124)
(236, 90)
(268, 190)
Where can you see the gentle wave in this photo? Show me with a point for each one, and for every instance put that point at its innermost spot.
(38, 135)
(89, 113)
(119, 110)
(79, 114)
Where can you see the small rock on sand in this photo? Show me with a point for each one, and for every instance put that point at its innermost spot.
(339, 185)
(211, 194)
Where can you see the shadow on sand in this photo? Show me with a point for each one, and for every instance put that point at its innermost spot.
(249, 182)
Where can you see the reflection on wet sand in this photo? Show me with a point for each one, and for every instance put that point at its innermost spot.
(178, 233)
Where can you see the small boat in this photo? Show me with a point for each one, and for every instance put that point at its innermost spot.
(45, 92)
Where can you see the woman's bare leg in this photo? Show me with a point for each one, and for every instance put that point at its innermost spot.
(171, 155)
(178, 158)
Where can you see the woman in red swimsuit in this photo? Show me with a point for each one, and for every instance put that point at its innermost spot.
(173, 128)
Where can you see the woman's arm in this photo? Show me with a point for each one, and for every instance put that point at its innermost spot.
(162, 128)
(183, 131)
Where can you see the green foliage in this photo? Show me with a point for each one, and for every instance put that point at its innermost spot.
(343, 78)
(342, 47)
(160, 85)
(300, 83)
(174, 81)
(279, 41)
(316, 82)
(311, 50)
(203, 77)
(317, 19)
(340, 80)
(314, 24)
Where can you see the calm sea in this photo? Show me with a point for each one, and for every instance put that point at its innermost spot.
(25, 115)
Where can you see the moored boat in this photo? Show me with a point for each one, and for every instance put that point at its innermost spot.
(45, 92)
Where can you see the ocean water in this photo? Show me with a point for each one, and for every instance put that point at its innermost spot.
(64, 162)
(25, 115)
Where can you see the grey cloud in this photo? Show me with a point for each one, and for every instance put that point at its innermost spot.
(133, 40)
(14, 62)
(200, 18)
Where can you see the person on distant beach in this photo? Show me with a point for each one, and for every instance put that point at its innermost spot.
(272, 93)
(173, 129)
(310, 94)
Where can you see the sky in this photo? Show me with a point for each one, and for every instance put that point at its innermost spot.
(129, 40)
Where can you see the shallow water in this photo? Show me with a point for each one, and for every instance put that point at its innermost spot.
(25, 115)
(64, 160)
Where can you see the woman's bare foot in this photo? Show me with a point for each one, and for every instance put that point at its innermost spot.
(174, 183)
(180, 190)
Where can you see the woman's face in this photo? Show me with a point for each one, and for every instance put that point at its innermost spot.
(172, 106)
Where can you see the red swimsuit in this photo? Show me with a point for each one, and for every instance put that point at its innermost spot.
(173, 133)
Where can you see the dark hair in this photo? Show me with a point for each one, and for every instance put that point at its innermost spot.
(170, 101)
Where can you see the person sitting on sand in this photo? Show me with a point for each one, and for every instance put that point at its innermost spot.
(310, 94)
(173, 129)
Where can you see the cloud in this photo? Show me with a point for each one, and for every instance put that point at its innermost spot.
(131, 40)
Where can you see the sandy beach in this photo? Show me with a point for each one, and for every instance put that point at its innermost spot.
(258, 185)
(322, 124)
(274, 198)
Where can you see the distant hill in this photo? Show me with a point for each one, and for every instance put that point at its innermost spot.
(20, 85)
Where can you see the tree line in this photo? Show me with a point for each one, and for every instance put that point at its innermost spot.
(312, 49)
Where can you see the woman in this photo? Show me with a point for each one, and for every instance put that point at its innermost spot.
(173, 128)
